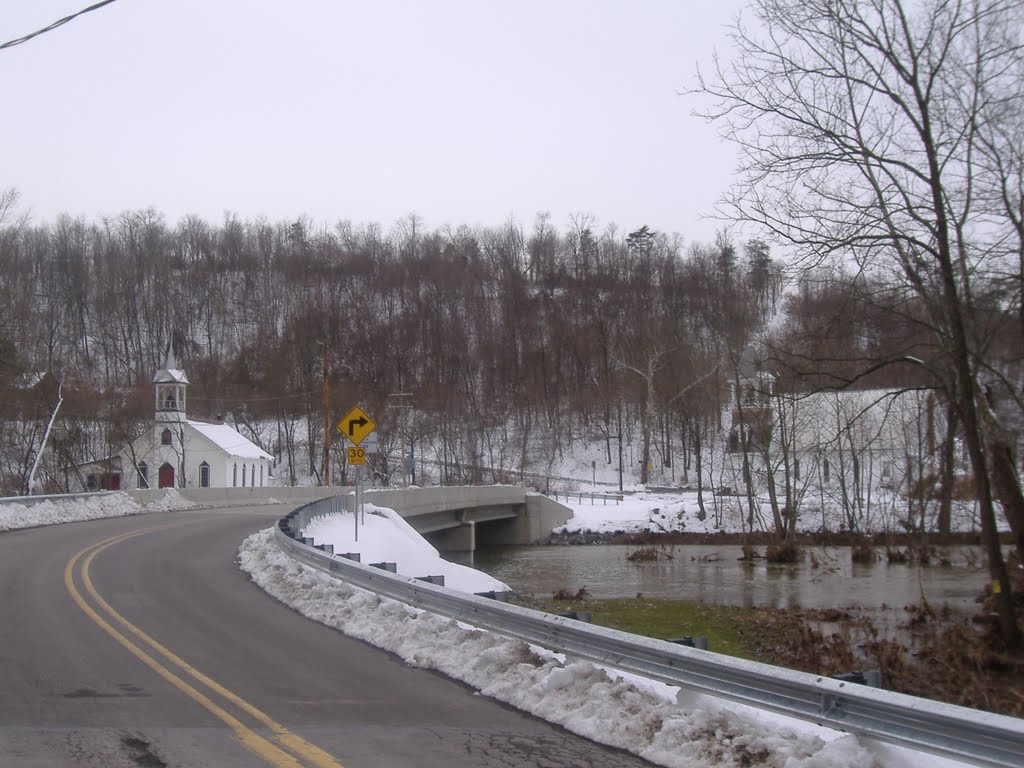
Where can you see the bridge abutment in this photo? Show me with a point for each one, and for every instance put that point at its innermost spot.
(461, 539)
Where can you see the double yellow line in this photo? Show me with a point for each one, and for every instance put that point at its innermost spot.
(283, 750)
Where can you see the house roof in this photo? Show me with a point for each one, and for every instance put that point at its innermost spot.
(229, 440)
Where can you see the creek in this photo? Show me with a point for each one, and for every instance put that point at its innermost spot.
(824, 577)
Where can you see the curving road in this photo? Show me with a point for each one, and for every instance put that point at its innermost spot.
(138, 642)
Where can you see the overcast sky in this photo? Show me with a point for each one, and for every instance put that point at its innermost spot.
(463, 112)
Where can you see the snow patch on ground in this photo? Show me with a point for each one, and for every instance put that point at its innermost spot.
(679, 512)
(581, 697)
(15, 515)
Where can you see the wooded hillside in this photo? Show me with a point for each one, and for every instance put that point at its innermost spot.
(570, 334)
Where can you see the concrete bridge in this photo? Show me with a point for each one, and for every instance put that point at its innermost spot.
(452, 518)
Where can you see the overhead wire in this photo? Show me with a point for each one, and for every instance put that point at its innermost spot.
(51, 27)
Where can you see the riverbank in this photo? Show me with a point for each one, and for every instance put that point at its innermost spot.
(761, 539)
(917, 650)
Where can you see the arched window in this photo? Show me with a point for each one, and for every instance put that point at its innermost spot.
(796, 469)
(261, 475)
(204, 475)
(165, 437)
(243, 475)
(234, 477)
(252, 476)
(143, 475)
(825, 470)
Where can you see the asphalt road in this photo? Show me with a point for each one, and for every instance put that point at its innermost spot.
(138, 642)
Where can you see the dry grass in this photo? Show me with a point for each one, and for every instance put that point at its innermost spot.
(933, 658)
(565, 594)
(649, 555)
(863, 553)
(787, 552)
(897, 555)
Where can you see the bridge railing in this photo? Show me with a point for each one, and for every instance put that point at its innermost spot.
(593, 498)
(958, 733)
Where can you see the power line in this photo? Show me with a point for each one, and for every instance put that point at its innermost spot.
(51, 27)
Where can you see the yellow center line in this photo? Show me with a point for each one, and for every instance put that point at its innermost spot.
(253, 741)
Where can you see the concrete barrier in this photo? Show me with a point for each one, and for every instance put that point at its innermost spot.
(240, 496)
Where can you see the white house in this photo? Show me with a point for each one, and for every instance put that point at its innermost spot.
(852, 440)
(179, 452)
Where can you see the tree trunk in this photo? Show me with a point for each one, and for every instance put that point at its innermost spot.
(948, 471)
(698, 457)
(1005, 481)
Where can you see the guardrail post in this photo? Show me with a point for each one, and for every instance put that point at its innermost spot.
(586, 616)
(690, 642)
(871, 678)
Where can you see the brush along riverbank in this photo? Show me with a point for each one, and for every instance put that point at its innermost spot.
(917, 650)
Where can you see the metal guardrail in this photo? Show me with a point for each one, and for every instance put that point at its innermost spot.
(604, 498)
(954, 732)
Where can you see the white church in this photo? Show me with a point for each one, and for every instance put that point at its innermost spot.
(179, 452)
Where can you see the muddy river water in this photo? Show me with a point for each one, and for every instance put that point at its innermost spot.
(825, 577)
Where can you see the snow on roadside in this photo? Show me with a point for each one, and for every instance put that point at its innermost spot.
(385, 536)
(578, 696)
(15, 515)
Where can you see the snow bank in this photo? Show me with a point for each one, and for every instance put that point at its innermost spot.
(581, 697)
(55, 511)
(384, 536)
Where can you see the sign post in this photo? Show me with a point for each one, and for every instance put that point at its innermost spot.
(357, 426)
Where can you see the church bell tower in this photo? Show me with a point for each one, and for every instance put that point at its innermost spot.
(170, 384)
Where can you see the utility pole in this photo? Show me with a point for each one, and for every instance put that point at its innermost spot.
(404, 406)
(620, 445)
(31, 488)
(326, 402)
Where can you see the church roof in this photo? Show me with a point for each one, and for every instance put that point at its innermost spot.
(170, 376)
(229, 440)
(171, 373)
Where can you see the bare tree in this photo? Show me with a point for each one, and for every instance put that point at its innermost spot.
(867, 130)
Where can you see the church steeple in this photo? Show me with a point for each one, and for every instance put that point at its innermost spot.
(169, 385)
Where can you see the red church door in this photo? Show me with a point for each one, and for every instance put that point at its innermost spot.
(166, 479)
